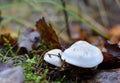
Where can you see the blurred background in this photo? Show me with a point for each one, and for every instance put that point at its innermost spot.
(95, 15)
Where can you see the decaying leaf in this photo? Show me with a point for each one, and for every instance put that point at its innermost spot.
(97, 41)
(7, 37)
(111, 56)
(75, 31)
(109, 62)
(47, 33)
(6, 30)
(115, 30)
(113, 49)
(78, 31)
(115, 34)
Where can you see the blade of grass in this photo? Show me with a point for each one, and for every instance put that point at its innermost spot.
(12, 4)
(66, 18)
(77, 17)
(59, 6)
(20, 20)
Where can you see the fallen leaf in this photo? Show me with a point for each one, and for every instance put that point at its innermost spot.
(115, 34)
(77, 31)
(111, 56)
(113, 49)
(7, 37)
(109, 62)
(8, 30)
(48, 34)
(97, 41)
(115, 30)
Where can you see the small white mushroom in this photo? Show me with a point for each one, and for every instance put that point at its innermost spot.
(29, 39)
(26, 44)
(53, 57)
(83, 54)
(34, 36)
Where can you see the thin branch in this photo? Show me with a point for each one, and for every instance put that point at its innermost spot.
(66, 18)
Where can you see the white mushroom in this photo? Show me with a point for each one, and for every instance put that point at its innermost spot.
(26, 44)
(83, 54)
(53, 57)
(34, 36)
(29, 39)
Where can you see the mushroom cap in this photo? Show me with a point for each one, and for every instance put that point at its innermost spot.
(83, 54)
(26, 44)
(33, 36)
(53, 57)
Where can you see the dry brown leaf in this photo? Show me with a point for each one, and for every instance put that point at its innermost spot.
(9, 38)
(109, 62)
(113, 49)
(115, 30)
(111, 56)
(115, 34)
(6, 30)
(97, 41)
(47, 33)
(77, 32)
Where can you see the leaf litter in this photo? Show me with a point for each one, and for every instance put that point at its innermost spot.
(48, 40)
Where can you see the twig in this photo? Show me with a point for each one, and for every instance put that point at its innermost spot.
(66, 18)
